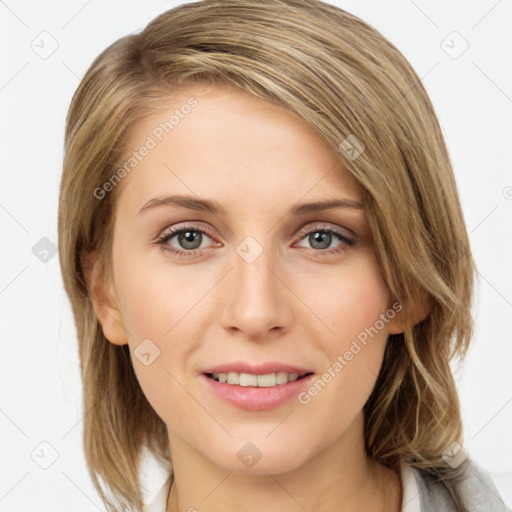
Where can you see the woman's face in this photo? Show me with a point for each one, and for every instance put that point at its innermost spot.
(262, 285)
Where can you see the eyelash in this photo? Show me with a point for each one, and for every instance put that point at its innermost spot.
(171, 233)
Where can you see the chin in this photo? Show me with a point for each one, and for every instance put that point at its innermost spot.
(261, 456)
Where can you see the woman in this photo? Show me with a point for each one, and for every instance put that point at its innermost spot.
(262, 242)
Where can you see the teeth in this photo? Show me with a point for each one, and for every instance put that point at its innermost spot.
(246, 379)
(233, 378)
(281, 378)
(267, 381)
(262, 381)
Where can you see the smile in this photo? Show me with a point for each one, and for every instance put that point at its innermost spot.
(256, 392)
(262, 381)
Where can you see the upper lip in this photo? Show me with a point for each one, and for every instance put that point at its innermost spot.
(257, 368)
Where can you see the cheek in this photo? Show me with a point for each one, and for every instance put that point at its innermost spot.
(348, 300)
(158, 308)
(160, 318)
(352, 305)
(155, 299)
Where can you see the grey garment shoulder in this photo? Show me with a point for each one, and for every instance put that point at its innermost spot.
(477, 490)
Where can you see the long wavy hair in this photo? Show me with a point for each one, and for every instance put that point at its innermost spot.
(358, 92)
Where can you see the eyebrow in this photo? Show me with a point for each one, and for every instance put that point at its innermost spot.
(210, 206)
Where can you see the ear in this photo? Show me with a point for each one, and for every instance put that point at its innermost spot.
(400, 323)
(103, 297)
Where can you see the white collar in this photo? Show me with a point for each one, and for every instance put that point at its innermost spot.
(411, 492)
(157, 500)
(155, 481)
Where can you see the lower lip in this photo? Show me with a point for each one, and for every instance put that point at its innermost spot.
(254, 398)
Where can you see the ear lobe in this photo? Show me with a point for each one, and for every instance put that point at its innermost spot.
(420, 311)
(103, 298)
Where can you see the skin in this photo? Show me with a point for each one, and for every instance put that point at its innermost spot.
(294, 304)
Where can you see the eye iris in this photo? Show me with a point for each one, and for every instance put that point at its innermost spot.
(320, 237)
(188, 238)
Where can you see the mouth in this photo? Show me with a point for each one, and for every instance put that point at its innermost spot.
(257, 385)
(266, 380)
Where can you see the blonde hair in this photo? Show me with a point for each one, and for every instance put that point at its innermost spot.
(346, 80)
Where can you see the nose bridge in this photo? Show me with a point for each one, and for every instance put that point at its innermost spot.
(258, 302)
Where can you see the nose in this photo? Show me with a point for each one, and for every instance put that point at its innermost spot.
(258, 300)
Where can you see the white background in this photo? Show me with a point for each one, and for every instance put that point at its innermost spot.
(40, 389)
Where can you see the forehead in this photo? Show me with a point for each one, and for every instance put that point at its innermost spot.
(224, 142)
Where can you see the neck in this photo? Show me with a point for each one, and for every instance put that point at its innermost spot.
(338, 478)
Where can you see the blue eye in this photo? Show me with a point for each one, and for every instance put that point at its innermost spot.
(190, 240)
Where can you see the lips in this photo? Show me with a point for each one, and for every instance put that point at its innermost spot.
(256, 398)
(256, 386)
